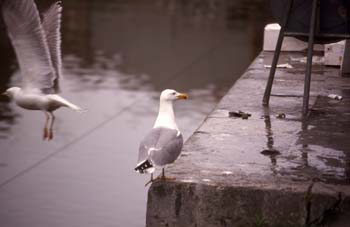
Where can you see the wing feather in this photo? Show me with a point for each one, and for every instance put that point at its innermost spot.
(170, 150)
(150, 141)
(28, 39)
(161, 146)
(52, 25)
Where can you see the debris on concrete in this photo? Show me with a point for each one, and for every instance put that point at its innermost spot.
(334, 96)
(240, 114)
(270, 152)
(315, 59)
(281, 115)
(227, 172)
(282, 66)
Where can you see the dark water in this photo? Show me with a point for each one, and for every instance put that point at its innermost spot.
(118, 56)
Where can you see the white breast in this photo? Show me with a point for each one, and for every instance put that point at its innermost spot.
(31, 101)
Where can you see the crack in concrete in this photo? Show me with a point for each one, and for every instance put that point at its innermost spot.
(328, 215)
(308, 197)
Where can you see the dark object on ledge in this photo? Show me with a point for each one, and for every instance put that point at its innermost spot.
(316, 21)
(270, 151)
(240, 114)
(281, 115)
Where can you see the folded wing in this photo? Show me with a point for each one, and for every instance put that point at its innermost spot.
(161, 146)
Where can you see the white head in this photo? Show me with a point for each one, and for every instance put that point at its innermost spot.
(166, 117)
(11, 91)
(171, 95)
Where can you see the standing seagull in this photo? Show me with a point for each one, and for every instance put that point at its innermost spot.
(163, 143)
(37, 45)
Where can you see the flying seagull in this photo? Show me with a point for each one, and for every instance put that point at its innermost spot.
(163, 144)
(37, 44)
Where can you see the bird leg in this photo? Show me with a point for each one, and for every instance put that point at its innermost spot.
(159, 178)
(51, 126)
(150, 181)
(46, 131)
(163, 177)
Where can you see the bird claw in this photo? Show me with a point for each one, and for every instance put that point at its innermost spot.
(48, 134)
(50, 137)
(45, 134)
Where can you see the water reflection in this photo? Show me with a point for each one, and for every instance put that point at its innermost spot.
(308, 150)
(321, 155)
(8, 118)
(7, 115)
(317, 156)
(304, 145)
(271, 152)
(117, 56)
(103, 73)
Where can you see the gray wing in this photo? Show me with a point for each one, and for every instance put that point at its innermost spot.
(28, 39)
(162, 146)
(52, 25)
(149, 141)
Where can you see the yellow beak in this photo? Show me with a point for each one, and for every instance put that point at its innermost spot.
(182, 96)
(4, 93)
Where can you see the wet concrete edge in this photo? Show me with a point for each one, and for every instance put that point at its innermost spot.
(206, 197)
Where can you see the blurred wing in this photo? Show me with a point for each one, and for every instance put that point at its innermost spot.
(52, 25)
(28, 39)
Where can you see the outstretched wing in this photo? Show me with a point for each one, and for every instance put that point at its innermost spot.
(28, 39)
(52, 25)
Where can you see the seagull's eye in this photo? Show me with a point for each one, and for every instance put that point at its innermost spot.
(174, 93)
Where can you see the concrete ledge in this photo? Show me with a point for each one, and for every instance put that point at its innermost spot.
(199, 204)
(264, 171)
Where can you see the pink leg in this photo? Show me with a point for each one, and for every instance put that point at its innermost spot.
(46, 131)
(51, 126)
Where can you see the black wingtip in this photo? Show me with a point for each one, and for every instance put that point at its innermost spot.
(142, 167)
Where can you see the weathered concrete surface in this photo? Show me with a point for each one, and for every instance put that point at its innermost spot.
(264, 171)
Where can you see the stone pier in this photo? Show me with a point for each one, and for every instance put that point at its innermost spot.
(272, 169)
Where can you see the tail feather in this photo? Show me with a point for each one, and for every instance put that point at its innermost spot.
(66, 103)
(145, 167)
(74, 107)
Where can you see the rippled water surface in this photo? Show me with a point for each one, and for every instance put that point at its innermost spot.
(118, 56)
